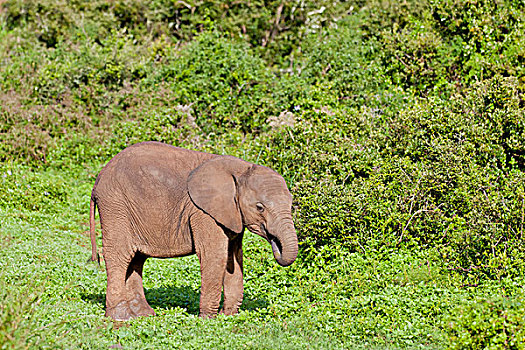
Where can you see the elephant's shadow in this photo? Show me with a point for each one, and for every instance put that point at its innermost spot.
(169, 297)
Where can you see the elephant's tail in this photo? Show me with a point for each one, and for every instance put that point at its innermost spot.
(92, 233)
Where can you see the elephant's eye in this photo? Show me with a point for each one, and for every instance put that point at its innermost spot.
(260, 207)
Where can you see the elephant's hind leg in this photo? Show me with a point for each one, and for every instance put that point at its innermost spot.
(117, 306)
(118, 255)
(136, 298)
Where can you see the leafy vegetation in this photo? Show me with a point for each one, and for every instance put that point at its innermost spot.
(399, 127)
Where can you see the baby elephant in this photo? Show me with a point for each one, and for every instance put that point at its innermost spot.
(156, 200)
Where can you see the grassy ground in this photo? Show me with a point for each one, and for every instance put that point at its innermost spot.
(329, 298)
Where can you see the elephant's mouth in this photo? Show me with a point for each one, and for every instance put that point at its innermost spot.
(275, 243)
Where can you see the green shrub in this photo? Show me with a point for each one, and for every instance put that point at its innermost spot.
(276, 27)
(484, 125)
(446, 174)
(24, 189)
(23, 321)
(224, 82)
(486, 36)
(18, 310)
(342, 63)
(495, 323)
(443, 45)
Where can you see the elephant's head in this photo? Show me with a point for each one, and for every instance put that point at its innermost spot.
(239, 194)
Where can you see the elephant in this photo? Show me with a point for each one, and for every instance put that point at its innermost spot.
(160, 201)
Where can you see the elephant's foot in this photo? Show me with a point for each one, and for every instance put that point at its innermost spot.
(121, 312)
(207, 315)
(140, 307)
(124, 311)
(229, 311)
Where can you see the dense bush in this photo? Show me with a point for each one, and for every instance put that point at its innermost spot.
(223, 81)
(425, 46)
(25, 190)
(277, 27)
(487, 324)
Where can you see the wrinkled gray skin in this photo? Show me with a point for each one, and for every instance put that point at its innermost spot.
(156, 200)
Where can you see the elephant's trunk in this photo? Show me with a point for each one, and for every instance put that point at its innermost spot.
(284, 242)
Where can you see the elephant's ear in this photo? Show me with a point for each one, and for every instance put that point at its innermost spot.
(212, 187)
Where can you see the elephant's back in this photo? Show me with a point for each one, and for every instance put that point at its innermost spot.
(148, 167)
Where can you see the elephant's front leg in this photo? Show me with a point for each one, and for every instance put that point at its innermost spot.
(211, 246)
(233, 283)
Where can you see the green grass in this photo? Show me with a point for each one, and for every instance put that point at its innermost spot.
(329, 298)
